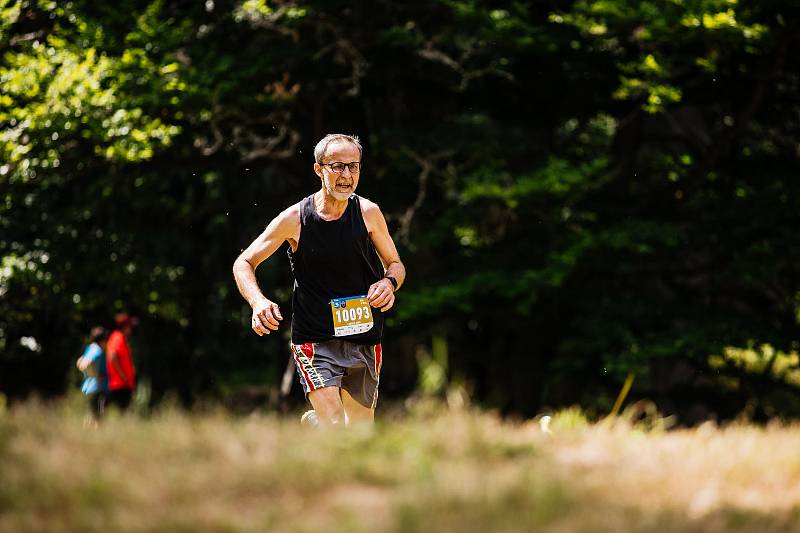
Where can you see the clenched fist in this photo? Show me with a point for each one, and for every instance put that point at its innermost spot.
(266, 317)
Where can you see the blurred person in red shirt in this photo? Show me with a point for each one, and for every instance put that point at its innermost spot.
(119, 363)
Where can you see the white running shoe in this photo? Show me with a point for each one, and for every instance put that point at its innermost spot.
(310, 419)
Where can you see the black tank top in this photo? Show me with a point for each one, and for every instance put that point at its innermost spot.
(334, 259)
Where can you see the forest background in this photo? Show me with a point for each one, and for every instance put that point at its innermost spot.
(580, 190)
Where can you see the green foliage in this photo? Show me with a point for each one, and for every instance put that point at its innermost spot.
(769, 378)
(577, 192)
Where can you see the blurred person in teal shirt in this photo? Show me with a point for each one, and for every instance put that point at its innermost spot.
(92, 363)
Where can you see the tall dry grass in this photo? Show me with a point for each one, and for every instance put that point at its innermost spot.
(437, 470)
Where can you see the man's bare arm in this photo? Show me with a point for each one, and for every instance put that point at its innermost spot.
(84, 365)
(381, 293)
(284, 227)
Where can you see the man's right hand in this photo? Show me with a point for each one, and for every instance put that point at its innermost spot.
(266, 317)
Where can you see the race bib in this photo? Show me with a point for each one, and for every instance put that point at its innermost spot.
(351, 315)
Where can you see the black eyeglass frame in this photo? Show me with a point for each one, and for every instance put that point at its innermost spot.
(348, 165)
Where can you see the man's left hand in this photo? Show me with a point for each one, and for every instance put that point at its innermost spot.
(381, 294)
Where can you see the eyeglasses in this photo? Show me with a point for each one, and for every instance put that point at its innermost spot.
(338, 168)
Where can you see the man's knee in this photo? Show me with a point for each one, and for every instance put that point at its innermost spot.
(328, 405)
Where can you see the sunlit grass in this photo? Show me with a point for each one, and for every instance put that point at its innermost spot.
(432, 469)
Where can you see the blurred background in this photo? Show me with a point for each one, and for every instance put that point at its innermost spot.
(582, 192)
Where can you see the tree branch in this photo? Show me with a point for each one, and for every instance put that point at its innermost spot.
(427, 167)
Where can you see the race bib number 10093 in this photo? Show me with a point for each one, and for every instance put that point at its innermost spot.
(351, 315)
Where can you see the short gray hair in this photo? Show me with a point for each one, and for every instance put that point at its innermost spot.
(322, 145)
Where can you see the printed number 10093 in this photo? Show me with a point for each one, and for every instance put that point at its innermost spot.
(354, 313)
(351, 316)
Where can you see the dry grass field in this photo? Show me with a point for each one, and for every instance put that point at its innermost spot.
(428, 470)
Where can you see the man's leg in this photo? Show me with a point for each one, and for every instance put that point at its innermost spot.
(335, 406)
(120, 398)
(360, 384)
(328, 404)
(125, 399)
(355, 413)
(93, 416)
(113, 399)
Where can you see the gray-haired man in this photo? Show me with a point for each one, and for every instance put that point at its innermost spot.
(346, 270)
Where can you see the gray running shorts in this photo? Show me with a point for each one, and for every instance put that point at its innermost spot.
(355, 368)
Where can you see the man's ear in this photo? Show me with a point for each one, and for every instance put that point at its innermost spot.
(318, 169)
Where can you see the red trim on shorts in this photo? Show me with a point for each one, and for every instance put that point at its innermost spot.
(378, 358)
(300, 364)
(308, 350)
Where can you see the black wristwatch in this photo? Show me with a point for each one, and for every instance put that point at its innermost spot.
(392, 280)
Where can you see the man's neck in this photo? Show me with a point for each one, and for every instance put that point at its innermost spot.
(328, 207)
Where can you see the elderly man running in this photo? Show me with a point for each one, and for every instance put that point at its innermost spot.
(346, 269)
